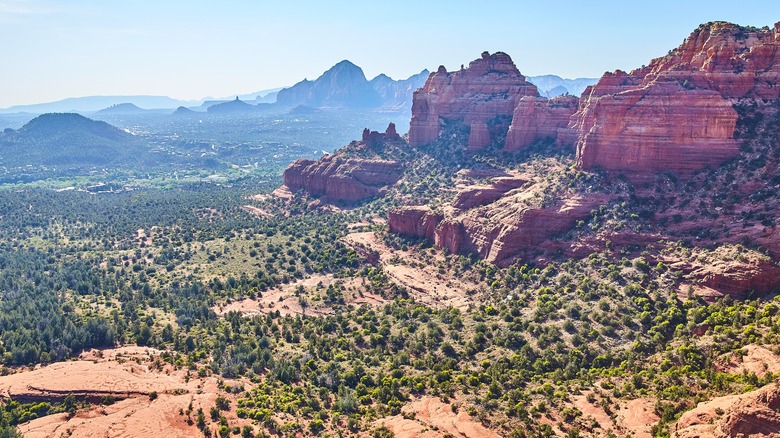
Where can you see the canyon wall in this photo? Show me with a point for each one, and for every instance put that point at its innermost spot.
(676, 114)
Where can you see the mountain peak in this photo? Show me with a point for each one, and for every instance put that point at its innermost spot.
(346, 64)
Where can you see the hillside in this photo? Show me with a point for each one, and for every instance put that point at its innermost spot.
(54, 145)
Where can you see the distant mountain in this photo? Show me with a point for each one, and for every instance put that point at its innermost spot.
(122, 108)
(183, 112)
(262, 96)
(67, 140)
(96, 103)
(232, 107)
(552, 85)
(343, 86)
(268, 97)
(398, 94)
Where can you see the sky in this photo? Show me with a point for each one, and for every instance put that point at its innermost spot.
(191, 49)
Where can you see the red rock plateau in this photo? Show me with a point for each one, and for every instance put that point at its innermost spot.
(488, 89)
(754, 414)
(335, 178)
(151, 398)
(676, 114)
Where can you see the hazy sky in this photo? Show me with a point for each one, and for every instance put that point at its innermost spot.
(53, 49)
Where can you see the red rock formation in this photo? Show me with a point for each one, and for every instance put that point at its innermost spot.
(676, 113)
(489, 87)
(338, 179)
(475, 196)
(375, 138)
(659, 127)
(500, 233)
(731, 275)
(335, 178)
(413, 221)
(755, 413)
(493, 222)
(479, 137)
(536, 118)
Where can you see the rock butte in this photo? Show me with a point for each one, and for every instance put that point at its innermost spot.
(476, 96)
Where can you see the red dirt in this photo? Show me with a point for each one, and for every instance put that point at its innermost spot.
(429, 417)
(129, 375)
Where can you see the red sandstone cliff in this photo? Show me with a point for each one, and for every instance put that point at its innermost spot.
(336, 178)
(676, 113)
(536, 118)
(495, 221)
(755, 413)
(490, 87)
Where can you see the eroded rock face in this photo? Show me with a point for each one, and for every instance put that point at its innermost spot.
(756, 413)
(536, 118)
(336, 179)
(493, 222)
(414, 221)
(490, 87)
(676, 113)
(500, 234)
(659, 127)
(731, 275)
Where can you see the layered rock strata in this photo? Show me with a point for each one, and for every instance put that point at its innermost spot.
(537, 118)
(477, 96)
(676, 114)
(336, 178)
(494, 221)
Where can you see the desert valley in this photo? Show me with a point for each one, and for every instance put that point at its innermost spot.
(467, 252)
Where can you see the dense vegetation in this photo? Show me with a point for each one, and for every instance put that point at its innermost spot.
(154, 267)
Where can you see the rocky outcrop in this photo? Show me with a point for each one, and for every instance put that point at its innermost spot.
(375, 138)
(475, 96)
(537, 118)
(755, 413)
(729, 270)
(676, 113)
(495, 222)
(475, 196)
(336, 178)
(500, 234)
(414, 221)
